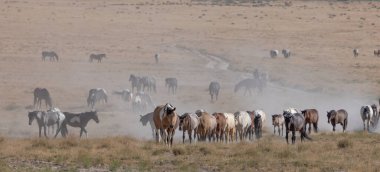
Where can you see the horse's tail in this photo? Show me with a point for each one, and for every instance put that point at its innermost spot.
(305, 135)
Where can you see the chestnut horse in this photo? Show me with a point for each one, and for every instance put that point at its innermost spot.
(166, 120)
(220, 126)
(311, 117)
(188, 122)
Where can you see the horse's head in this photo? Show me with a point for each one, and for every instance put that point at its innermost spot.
(94, 116)
(132, 77)
(182, 120)
(274, 118)
(31, 116)
(330, 115)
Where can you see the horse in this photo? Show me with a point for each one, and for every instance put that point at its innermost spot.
(78, 120)
(136, 82)
(258, 125)
(366, 112)
(144, 119)
(230, 130)
(46, 119)
(156, 57)
(277, 121)
(171, 83)
(188, 122)
(51, 54)
(138, 105)
(42, 94)
(206, 125)
(96, 95)
(213, 89)
(337, 117)
(243, 120)
(146, 99)
(375, 115)
(311, 117)
(125, 94)
(356, 52)
(98, 57)
(166, 120)
(148, 83)
(295, 122)
(377, 52)
(221, 125)
(273, 53)
(286, 53)
(292, 110)
(248, 84)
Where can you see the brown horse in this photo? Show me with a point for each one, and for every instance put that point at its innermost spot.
(221, 124)
(311, 117)
(338, 117)
(166, 120)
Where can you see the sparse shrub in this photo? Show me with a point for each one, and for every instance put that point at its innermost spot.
(158, 152)
(344, 143)
(41, 143)
(285, 154)
(11, 107)
(179, 151)
(205, 150)
(115, 164)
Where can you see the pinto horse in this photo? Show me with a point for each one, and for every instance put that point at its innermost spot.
(166, 120)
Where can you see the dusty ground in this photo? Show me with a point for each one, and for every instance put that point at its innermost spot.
(198, 43)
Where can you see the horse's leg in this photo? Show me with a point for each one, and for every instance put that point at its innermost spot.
(309, 127)
(157, 136)
(334, 127)
(282, 129)
(40, 128)
(190, 133)
(183, 136)
(286, 136)
(293, 136)
(315, 124)
(45, 131)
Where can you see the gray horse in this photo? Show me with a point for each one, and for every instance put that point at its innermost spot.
(39, 95)
(98, 57)
(295, 122)
(136, 82)
(148, 83)
(96, 95)
(214, 88)
(51, 54)
(46, 119)
(258, 125)
(248, 85)
(144, 119)
(338, 117)
(78, 120)
(172, 84)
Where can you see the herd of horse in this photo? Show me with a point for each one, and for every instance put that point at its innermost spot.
(245, 125)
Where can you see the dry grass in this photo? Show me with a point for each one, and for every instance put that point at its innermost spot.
(328, 152)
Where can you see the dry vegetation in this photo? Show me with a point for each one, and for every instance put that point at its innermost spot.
(321, 74)
(328, 152)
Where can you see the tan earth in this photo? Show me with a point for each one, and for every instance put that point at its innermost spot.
(198, 43)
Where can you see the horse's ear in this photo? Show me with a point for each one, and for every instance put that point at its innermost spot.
(174, 108)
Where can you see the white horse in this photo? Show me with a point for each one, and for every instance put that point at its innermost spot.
(243, 123)
(273, 53)
(366, 113)
(212, 131)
